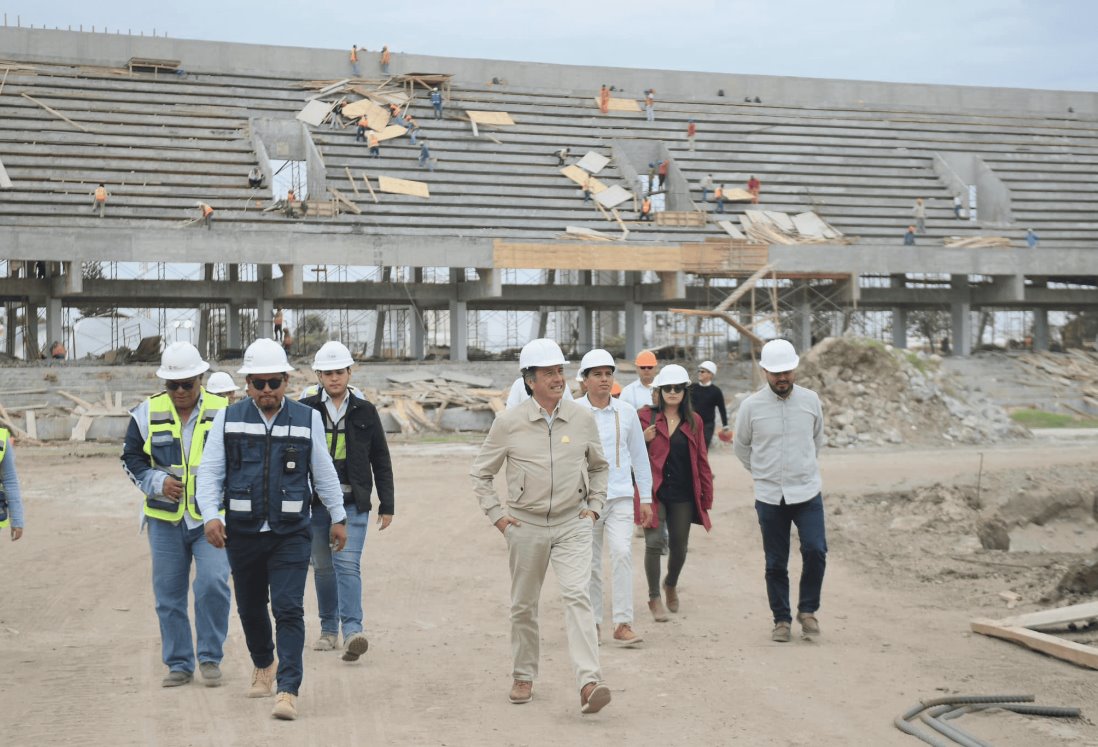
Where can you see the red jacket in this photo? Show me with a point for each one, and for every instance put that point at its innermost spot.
(660, 447)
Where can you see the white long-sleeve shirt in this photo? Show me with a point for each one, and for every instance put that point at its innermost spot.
(211, 479)
(624, 448)
(778, 440)
(637, 394)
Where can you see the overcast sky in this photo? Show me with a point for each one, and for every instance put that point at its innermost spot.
(1015, 43)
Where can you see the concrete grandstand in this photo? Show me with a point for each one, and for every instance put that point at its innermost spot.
(72, 115)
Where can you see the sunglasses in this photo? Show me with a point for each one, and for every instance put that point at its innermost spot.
(272, 384)
(186, 386)
(645, 368)
(673, 389)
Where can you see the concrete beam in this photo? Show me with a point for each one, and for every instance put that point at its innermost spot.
(292, 280)
(1005, 289)
(889, 259)
(672, 286)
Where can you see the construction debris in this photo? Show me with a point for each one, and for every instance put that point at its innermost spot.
(730, 229)
(315, 112)
(490, 118)
(1075, 369)
(593, 162)
(690, 218)
(773, 227)
(621, 105)
(403, 187)
(408, 404)
(1020, 630)
(580, 177)
(587, 234)
(613, 196)
(376, 117)
(976, 242)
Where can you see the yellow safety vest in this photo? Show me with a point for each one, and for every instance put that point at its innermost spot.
(5, 439)
(164, 445)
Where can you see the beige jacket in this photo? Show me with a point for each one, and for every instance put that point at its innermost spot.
(553, 473)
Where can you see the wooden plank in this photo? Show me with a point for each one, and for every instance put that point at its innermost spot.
(403, 187)
(580, 177)
(339, 196)
(587, 233)
(737, 195)
(1076, 653)
(55, 112)
(391, 132)
(584, 256)
(5, 80)
(82, 402)
(1058, 616)
(490, 118)
(366, 179)
(315, 112)
(730, 229)
(351, 179)
(613, 196)
(689, 218)
(621, 105)
(376, 116)
(80, 430)
(621, 224)
(734, 323)
(742, 288)
(593, 162)
(5, 182)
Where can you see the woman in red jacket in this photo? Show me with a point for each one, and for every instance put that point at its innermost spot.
(682, 484)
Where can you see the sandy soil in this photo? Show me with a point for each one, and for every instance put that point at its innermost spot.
(80, 650)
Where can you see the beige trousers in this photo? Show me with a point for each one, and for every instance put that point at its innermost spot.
(567, 547)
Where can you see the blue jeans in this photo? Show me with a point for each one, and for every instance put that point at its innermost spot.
(337, 575)
(173, 546)
(278, 563)
(775, 522)
(705, 194)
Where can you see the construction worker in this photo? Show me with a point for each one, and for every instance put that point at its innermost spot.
(375, 145)
(779, 434)
(624, 449)
(287, 340)
(604, 99)
(918, 212)
(11, 496)
(554, 446)
(386, 58)
(707, 186)
(425, 156)
(354, 60)
(1031, 238)
(291, 203)
(646, 208)
(562, 156)
(277, 320)
(255, 178)
(57, 351)
(222, 384)
(718, 197)
(691, 133)
(413, 127)
(753, 186)
(162, 453)
(356, 443)
(267, 456)
(360, 130)
(707, 398)
(436, 102)
(909, 236)
(206, 214)
(640, 392)
(650, 104)
(587, 189)
(99, 199)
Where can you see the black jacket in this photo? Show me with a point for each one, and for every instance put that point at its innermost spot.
(368, 459)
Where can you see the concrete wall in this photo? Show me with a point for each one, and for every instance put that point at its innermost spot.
(993, 200)
(300, 63)
(316, 173)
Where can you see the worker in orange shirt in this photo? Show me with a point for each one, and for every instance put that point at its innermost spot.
(57, 351)
(360, 133)
(646, 209)
(718, 197)
(207, 213)
(753, 186)
(354, 59)
(691, 133)
(291, 203)
(604, 99)
(99, 199)
(386, 58)
(375, 145)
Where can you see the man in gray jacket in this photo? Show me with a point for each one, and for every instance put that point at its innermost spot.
(556, 489)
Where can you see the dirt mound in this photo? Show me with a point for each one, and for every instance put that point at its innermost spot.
(873, 395)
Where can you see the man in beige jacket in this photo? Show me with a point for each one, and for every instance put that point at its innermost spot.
(556, 489)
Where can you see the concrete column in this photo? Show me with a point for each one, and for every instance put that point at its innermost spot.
(899, 317)
(1040, 329)
(11, 317)
(264, 305)
(31, 346)
(232, 326)
(418, 328)
(802, 324)
(459, 319)
(586, 329)
(961, 311)
(634, 329)
(55, 317)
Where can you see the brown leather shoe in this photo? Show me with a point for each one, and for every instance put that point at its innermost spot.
(810, 626)
(522, 692)
(624, 635)
(672, 597)
(780, 633)
(594, 697)
(659, 612)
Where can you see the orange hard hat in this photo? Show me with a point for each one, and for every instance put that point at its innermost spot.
(645, 358)
(615, 390)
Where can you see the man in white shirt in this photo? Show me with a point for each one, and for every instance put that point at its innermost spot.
(623, 445)
(640, 392)
(779, 432)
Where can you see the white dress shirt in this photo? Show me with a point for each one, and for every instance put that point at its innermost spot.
(778, 440)
(624, 447)
(637, 394)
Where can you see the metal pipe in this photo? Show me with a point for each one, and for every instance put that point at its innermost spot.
(962, 738)
(906, 727)
(903, 722)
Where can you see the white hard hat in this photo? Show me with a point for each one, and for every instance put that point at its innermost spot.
(596, 358)
(672, 374)
(265, 356)
(778, 356)
(540, 352)
(221, 383)
(709, 366)
(181, 360)
(332, 356)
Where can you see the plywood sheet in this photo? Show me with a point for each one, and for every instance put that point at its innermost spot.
(5, 182)
(737, 195)
(580, 177)
(622, 105)
(377, 116)
(593, 162)
(391, 132)
(809, 225)
(730, 229)
(490, 118)
(315, 112)
(781, 220)
(403, 186)
(614, 196)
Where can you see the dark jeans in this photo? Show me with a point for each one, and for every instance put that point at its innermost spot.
(708, 426)
(775, 522)
(278, 563)
(676, 517)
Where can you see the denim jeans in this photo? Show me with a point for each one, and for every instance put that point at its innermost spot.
(278, 563)
(173, 546)
(775, 523)
(337, 576)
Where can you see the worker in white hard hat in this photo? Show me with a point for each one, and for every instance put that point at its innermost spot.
(222, 383)
(164, 447)
(779, 433)
(623, 446)
(556, 490)
(520, 392)
(707, 398)
(357, 445)
(266, 456)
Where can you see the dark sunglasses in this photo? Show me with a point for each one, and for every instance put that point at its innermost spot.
(673, 388)
(645, 368)
(186, 386)
(273, 384)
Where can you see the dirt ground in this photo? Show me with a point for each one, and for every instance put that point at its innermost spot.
(80, 649)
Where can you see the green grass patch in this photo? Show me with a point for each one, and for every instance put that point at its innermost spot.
(915, 360)
(1031, 418)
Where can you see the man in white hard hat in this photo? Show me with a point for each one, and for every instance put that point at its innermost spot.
(164, 446)
(263, 454)
(356, 443)
(520, 392)
(556, 490)
(779, 432)
(707, 398)
(222, 383)
(623, 446)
